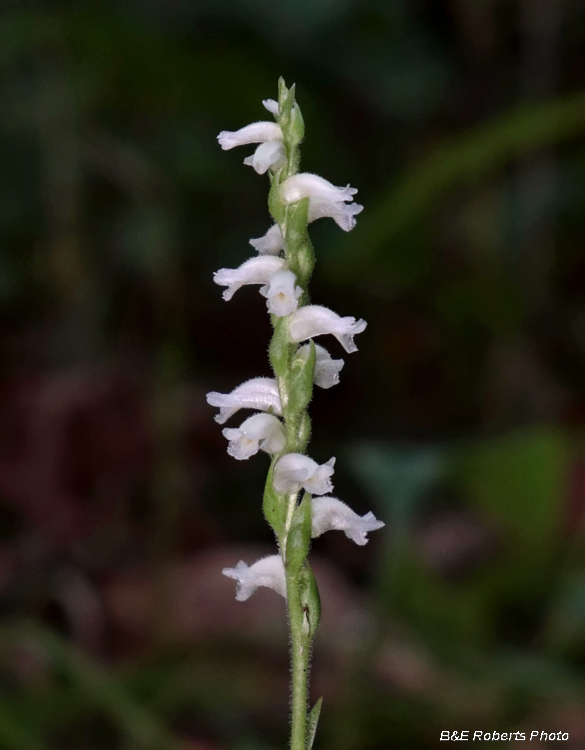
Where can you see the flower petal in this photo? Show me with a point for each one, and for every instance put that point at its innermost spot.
(329, 514)
(342, 213)
(257, 393)
(268, 571)
(271, 243)
(257, 270)
(306, 185)
(269, 155)
(314, 320)
(270, 105)
(327, 369)
(260, 431)
(294, 471)
(257, 132)
(281, 293)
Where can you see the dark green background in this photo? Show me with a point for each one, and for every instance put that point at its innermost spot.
(459, 422)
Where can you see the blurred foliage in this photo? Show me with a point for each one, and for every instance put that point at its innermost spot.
(460, 422)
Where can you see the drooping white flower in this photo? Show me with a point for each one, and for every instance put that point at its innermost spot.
(257, 393)
(342, 213)
(257, 270)
(314, 320)
(269, 155)
(271, 243)
(327, 369)
(268, 571)
(293, 471)
(258, 432)
(281, 293)
(307, 185)
(330, 514)
(257, 132)
(270, 105)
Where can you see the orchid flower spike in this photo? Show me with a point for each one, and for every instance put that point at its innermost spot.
(258, 393)
(327, 369)
(283, 267)
(314, 320)
(268, 571)
(269, 244)
(258, 432)
(330, 514)
(257, 132)
(281, 293)
(293, 471)
(257, 270)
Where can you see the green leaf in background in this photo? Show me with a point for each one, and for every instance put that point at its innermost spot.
(519, 482)
(14, 735)
(565, 628)
(462, 161)
(396, 477)
(104, 690)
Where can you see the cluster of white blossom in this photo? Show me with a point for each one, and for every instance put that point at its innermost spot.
(278, 284)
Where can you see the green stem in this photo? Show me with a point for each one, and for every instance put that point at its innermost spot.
(300, 665)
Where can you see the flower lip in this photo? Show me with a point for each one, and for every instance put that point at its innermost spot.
(330, 514)
(307, 185)
(268, 571)
(257, 270)
(258, 432)
(315, 320)
(281, 293)
(256, 132)
(257, 393)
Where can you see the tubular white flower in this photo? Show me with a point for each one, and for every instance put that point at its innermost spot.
(257, 132)
(327, 369)
(269, 155)
(293, 471)
(271, 243)
(257, 270)
(281, 293)
(267, 571)
(314, 320)
(257, 393)
(307, 185)
(343, 214)
(330, 514)
(271, 106)
(258, 432)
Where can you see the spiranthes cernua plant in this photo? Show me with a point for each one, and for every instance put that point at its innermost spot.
(297, 501)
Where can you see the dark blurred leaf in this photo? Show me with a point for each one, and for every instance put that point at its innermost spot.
(398, 478)
(99, 686)
(463, 161)
(519, 481)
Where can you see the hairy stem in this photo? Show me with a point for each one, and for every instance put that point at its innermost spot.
(299, 665)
